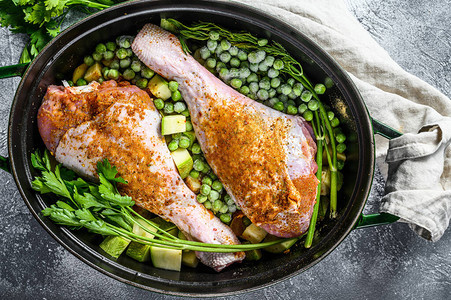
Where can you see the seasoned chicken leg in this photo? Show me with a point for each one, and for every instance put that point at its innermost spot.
(264, 158)
(122, 125)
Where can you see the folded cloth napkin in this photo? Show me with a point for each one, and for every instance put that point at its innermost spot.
(419, 173)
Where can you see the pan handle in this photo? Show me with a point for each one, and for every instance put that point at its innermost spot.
(6, 72)
(379, 218)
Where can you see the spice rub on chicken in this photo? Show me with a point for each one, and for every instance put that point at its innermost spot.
(264, 158)
(82, 126)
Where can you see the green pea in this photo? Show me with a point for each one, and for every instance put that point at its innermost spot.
(341, 148)
(234, 62)
(207, 180)
(232, 208)
(136, 66)
(205, 189)
(81, 82)
(217, 205)
(198, 165)
(224, 209)
(286, 89)
(273, 73)
(173, 86)
(214, 195)
(159, 103)
(142, 83)
(121, 53)
(97, 56)
(176, 136)
(113, 74)
(213, 176)
(320, 88)
(225, 218)
(262, 42)
(194, 174)
(128, 74)
(108, 55)
(263, 94)
(207, 204)
(308, 115)
(184, 142)
(214, 35)
(306, 96)
(252, 78)
(292, 110)
(279, 106)
(217, 185)
(242, 55)
(225, 45)
(185, 113)
(340, 138)
(70, 83)
(265, 83)
(225, 57)
(168, 108)
(298, 88)
(302, 108)
(212, 44)
(125, 63)
(328, 82)
(313, 105)
(201, 198)
(206, 169)
(115, 64)
(233, 51)
(228, 199)
(176, 96)
(173, 145)
(291, 81)
(100, 48)
(147, 72)
(179, 107)
(244, 90)
(111, 46)
(124, 41)
(210, 63)
(196, 148)
(263, 67)
(88, 60)
(236, 83)
(204, 52)
(335, 122)
(188, 124)
(330, 115)
(278, 64)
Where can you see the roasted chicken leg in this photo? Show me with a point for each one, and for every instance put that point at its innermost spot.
(82, 127)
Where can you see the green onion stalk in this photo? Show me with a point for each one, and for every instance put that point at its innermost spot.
(244, 40)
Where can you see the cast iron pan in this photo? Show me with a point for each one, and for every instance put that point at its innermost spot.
(66, 51)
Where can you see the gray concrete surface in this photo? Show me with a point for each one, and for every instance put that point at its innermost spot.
(378, 263)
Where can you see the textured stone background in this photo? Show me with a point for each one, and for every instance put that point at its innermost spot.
(379, 263)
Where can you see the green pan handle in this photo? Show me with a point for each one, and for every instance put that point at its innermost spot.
(6, 72)
(379, 218)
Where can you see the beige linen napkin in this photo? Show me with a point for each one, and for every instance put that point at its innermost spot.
(395, 97)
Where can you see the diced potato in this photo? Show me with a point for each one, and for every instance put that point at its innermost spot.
(190, 259)
(194, 184)
(79, 72)
(278, 248)
(164, 258)
(93, 73)
(254, 234)
(159, 87)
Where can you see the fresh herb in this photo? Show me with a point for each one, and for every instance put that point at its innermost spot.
(101, 209)
(42, 20)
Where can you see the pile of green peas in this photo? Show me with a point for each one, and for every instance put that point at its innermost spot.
(258, 76)
(118, 62)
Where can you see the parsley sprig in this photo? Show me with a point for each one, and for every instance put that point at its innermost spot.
(100, 208)
(42, 20)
